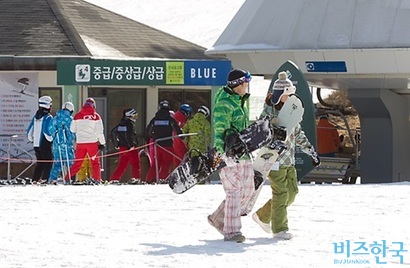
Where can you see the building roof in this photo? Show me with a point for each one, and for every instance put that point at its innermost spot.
(368, 39)
(330, 24)
(75, 28)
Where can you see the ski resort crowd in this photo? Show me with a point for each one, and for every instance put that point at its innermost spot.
(53, 140)
(66, 142)
(69, 146)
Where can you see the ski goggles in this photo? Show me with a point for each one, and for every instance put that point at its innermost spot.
(239, 81)
(247, 78)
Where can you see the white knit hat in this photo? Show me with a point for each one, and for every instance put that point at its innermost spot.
(282, 86)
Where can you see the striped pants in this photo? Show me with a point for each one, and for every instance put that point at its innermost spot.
(238, 184)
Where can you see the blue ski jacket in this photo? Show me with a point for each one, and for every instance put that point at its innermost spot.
(60, 129)
(38, 129)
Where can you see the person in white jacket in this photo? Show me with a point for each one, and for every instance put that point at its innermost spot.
(38, 133)
(89, 131)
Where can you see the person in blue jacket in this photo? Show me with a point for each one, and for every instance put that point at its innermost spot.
(38, 133)
(63, 142)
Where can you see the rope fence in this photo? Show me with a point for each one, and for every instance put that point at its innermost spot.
(33, 161)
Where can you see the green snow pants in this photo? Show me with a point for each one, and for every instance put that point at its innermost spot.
(284, 190)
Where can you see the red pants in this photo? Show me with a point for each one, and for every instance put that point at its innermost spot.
(180, 150)
(164, 158)
(81, 150)
(125, 158)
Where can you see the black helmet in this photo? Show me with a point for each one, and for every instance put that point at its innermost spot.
(163, 105)
(130, 112)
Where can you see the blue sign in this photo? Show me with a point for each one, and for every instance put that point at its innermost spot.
(213, 73)
(326, 66)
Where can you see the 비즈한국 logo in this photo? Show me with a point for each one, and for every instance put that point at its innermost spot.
(357, 252)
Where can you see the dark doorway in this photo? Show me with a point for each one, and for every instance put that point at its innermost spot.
(194, 98)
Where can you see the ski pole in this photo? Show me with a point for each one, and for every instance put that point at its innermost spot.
(102, 160)
(66, 153)
(61, 156)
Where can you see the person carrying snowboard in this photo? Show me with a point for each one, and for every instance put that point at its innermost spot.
(201, 142)
(230, 116)
(38, 133)
(63, 138)
(124, 138)
(272, 216)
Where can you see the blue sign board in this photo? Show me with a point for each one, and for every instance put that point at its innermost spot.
(326, 66)
(206, 72)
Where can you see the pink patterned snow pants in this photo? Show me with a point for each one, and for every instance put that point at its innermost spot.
(238, 184)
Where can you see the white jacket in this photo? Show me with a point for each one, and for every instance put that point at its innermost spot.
(87, 126)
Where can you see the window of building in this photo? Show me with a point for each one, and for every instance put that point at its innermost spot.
(194, 98)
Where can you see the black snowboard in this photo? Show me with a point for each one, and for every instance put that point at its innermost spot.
(196, 169)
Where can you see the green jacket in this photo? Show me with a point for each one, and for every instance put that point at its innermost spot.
(199, 124)
(229, 114)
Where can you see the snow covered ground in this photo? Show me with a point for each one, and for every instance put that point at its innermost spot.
(150, 226)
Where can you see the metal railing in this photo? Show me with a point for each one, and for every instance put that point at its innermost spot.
(15, 158)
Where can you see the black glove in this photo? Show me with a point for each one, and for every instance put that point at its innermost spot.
(258, 179)
(316, 161)
(234, 147)
(315, 157)
(279, 133)
(101, 147)
(196, 165)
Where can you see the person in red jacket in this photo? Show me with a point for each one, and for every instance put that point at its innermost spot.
(328, 140)
(89, 131)
(180, 147)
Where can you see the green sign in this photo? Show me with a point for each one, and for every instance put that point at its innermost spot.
(111, 73)
(117, 72)
(175, 73)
